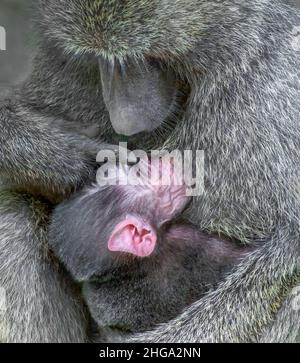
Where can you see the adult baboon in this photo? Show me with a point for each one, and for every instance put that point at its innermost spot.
(221, 76)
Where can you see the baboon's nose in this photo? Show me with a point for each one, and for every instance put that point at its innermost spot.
(127, 121)
(138, 97)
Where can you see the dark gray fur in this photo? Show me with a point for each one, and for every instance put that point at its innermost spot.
(127, 294)
(241, 61)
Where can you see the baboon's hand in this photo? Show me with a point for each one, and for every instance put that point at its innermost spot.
(38, 159)
(72, 165)
(60, 167)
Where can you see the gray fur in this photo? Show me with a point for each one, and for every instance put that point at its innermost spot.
(34, 275)
(242, 65)
(286, 325)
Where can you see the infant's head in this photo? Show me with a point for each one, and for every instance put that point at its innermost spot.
(109, 223)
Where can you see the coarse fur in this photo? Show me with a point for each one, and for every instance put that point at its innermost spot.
(241, 62)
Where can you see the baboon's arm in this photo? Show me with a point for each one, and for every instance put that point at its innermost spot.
(244, 304)
(35, 157)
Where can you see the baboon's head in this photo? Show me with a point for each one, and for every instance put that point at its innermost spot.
(142, 47)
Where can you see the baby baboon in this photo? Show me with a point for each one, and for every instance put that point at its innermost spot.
(139, 266)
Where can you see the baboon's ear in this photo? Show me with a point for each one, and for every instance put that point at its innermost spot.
(133, 236)
(138, 96)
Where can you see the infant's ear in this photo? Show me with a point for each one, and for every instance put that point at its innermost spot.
(133, 236)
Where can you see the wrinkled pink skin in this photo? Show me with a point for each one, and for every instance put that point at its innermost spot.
(133, 236)
(137, 236)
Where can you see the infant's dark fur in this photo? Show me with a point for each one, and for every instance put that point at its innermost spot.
(130, 293)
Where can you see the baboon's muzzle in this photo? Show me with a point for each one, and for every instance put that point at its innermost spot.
(138, 95)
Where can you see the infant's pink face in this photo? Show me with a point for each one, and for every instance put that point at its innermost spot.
(158, 184)
(164, 197)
